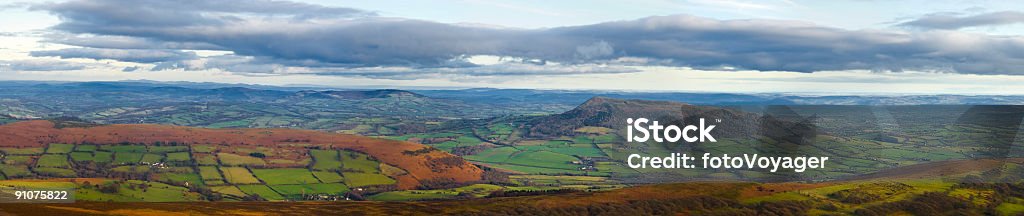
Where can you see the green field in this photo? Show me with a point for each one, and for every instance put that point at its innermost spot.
(81, 156)
(127, 157)
(178, 157)
(358, 162)
(191, 178)
(166, 149)
(132, 169)
(261, 190)
(238, 175)
(53, 160)
(22, 151)
(103, 157)
(210, 173)
(203, 148)
(206, 159)
(151, 158)
(493, 155)
(239, 160)
(214, 182)
(290, 163)
(294, 191)
(543, 159)
(285, 176)
(325, 159)
(18, 159)
(228, 190)
(55, 172)
(124, 148)
(86, 148)
(355, 179)
(134, 191)
(328, 176)
(43, 185)
(14, 171)
(57, 148)
(1010, 209)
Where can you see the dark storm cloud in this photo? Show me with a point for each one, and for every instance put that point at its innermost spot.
(127, 55)
(357, 40)
(954, 21)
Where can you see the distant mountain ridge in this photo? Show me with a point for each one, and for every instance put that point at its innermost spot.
(357, 95)
(391, 110)
(565, 99)
(220, 93)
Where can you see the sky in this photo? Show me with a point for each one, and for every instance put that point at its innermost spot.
(768, 46)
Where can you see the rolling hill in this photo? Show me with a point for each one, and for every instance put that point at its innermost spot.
(878, 195)
(422, 163)
(731, 123)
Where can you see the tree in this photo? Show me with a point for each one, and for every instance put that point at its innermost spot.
(258, 155)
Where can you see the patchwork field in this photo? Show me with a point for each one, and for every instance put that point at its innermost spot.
(285, 176)
(239, 160)
(262, 191)
(222, 173)
(325, 159)
(296, 191)
(238, 175)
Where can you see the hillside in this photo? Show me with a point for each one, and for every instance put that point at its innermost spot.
(612, 113)
(421, 162)
(878, 195)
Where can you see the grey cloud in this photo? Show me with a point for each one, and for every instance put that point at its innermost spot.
(509, 69)
(954, 21)
(127, 55)
(368, 41)
(167, 13)
(39, 65)
(596, 50)
(122, 42)
(257, 66)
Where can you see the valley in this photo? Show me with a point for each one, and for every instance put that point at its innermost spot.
(433, 150)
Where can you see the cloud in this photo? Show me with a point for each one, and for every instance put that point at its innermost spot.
(952, 21)
(121, 42)
(14, 5)
(169, 13)
(279, 38)
(126, 55)
(257, 66)
(40, 65)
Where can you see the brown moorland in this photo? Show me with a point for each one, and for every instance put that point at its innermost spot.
(683, 192)
(422, 162)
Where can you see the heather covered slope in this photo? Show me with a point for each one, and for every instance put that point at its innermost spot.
(890, 195)
(422, 163)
